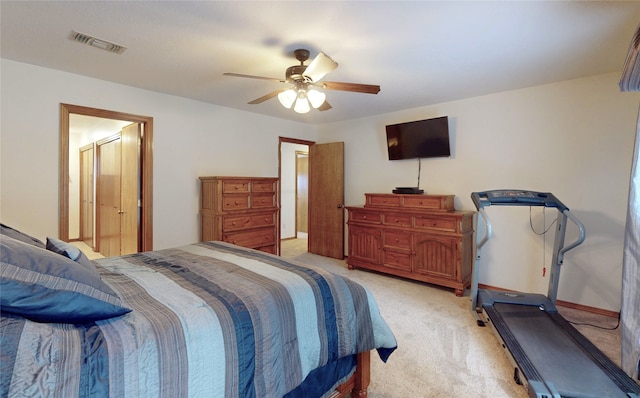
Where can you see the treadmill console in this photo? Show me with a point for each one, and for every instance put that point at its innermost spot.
(516, 197)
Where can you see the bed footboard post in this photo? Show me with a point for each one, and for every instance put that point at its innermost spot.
(363, 375)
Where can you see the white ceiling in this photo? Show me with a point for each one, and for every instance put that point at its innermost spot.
(420, 53)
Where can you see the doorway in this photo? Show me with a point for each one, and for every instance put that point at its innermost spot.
(68, 192)
(325, 194)
(302, 193)
(294, 159)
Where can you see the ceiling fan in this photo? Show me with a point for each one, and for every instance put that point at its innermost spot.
(304, 81)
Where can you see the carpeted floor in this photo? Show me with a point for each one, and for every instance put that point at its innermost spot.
(441, 351)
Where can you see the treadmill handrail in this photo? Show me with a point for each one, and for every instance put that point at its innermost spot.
(487, 228)
(516, 197)
(578, 241)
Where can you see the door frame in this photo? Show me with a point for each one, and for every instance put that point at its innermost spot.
(146, 169)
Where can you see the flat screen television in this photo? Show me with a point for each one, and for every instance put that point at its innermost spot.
(427, 138)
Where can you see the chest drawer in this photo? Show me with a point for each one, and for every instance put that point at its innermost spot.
(248, 221)
(384, 200)
(263, 200)
(235, 202)
(441, 224)
(256, 238)
(362, 216)
(397, 239)
(231, 186)
(397, 260)
(396, 219)
(263, 186)
(435, 203)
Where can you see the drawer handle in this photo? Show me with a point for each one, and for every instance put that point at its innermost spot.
(364, 217)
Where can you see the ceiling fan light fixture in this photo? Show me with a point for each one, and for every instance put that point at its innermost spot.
(316, 98)
(287, 98)
(302, 104)
(303, 81)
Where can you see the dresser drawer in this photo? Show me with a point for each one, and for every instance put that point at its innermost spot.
(396, 219)
(267, 249)
(230, 186)
(397, 260)
(434, 203)
(249, 221)
(251, 239)
(383, 200)
(441, 224)
(362, 216)
(397, 239)
(263, 200)
(235, 202)
(263, 186)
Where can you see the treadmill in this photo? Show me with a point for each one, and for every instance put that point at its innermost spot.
(550, 357)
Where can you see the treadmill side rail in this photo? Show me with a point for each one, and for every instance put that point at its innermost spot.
(539, 389)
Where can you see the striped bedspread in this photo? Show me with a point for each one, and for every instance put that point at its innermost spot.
(208, 320)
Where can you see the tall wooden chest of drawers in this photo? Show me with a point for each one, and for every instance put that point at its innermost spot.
(419, 237)
(240, 210)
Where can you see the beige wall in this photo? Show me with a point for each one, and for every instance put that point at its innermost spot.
(572, 138)
(191, 139)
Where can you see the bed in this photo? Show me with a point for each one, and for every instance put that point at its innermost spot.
(207, 319)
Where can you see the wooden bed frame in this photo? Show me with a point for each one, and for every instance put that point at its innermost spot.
(358, 383)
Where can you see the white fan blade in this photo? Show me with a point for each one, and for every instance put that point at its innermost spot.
(319, 67)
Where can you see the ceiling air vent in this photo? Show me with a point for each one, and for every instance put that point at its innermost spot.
(98, 43)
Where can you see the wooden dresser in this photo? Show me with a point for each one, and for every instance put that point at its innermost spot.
(240, 210)
(419, 237)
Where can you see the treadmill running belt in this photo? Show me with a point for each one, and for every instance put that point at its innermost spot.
(555, 355)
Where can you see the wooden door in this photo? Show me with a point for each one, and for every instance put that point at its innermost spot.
(302, 191)
(86, 195)
(326, 199)
(130, 188)
(108, 195)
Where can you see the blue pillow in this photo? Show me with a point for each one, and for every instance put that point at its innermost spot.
(21, 236)
(70, 251)
(43, 286)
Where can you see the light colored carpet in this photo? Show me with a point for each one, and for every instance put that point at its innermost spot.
(441, 351)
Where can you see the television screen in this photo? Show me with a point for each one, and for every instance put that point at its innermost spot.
(427, 138)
